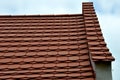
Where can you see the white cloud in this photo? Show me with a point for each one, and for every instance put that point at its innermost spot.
(40, 6)
(110, 25)
(108, 6)
(109, 18)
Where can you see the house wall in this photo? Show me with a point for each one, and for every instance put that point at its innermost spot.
(103, 70)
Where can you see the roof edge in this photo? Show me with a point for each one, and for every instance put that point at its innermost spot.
(97, 46)
(47, 15)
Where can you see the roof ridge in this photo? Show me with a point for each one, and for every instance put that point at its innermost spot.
(40, 15)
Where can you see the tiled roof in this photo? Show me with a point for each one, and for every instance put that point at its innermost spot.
(51, 47)
(96, 44)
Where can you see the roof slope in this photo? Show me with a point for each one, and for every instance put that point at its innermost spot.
(50, 47)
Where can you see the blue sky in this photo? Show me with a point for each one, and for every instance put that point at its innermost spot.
(108, 13)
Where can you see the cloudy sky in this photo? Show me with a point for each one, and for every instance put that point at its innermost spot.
(108, 12)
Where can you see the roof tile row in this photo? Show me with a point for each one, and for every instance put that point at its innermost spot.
(94, 35)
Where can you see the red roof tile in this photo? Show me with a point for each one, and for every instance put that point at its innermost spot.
(94, 36)
(51, 46)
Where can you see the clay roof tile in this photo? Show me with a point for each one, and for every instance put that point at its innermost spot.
(51, 46)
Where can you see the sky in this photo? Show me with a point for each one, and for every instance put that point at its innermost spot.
(108, 12)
